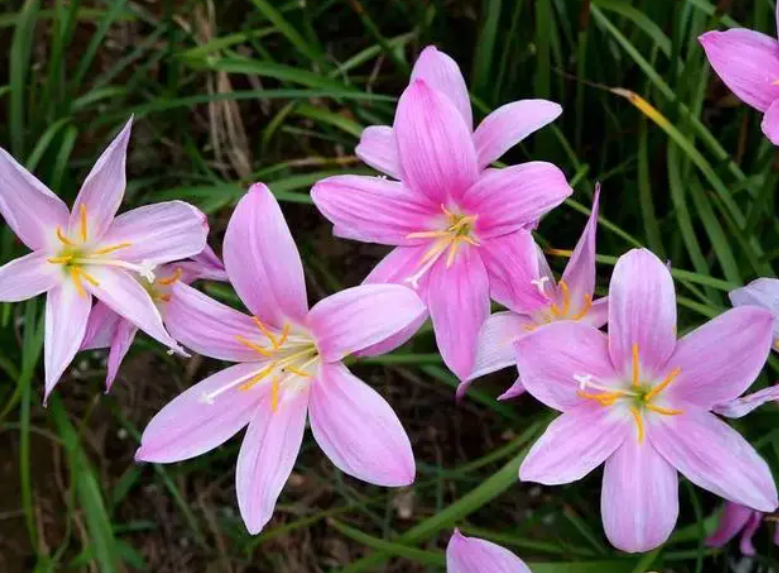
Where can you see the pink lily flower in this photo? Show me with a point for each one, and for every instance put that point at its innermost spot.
(473, 555)
(641, 401)
(737, 519)
(289, 365)
(748, 63)
(90, 251)
(570, 299)
(460, 228)
(107, 329)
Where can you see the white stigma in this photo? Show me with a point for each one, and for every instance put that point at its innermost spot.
(540, 284)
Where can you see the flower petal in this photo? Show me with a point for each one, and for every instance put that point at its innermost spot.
(205, 265)
(28, 276)
(358, 430)
(515, 390)
(740, 407)
(473, 555)
(512, 265)
(640, 497)
(103, 189)
(642, 312)
(715, 457)
(123, 294)
(748, 63)
(495, 346)
(378, 149)
(575, 444)
(101, 327)
(121, 343)
(434, 144)
(443, 74)
(459, 303)
(268, 454)
(770, 123)
(362, 316)
(509, 199)
(31, 210)
(761, 292)
(211, 328)
(262, 260)
(67, 314)
(158, 233)
(374, 210)
(579, 274)
(192, 424)
(733, 519)
(553, 359)
(509, 124)
(722, 358)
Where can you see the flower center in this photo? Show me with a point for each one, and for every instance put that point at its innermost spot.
(290, 361)
(76, 254)
(638, 397)
(554, 311)
(159, 290)
(459, 229)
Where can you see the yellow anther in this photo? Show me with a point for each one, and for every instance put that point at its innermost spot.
(111, 249)
(63, 239)
(173, 278)
(605, 399)
(262, 374)
(266, 331)
(274, 395)
(566, 301)
(90, 279)
(427, 235)
(663, 385)
(164, 297)
(639, 423)
(452, 252)
(636, 380)
(83, 215)
(256, 347)
(297, 372)
(585, 308)
(530, 327)
(60, 260)
(77, 281)
(284, 335)
(663, 411)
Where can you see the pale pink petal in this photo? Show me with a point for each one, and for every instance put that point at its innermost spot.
(640, 497)
(555, 358)
(67, 314)
(512, 267)
(443, 74)
(770, 123)
(473, 555)
(121, 343)
(28, 276)
(715, 457)
(262, 260)
(642, 312)
(103, 189)
(358, 430)
(740, 407)
(268, 454)
(579, 274)
(721, 359)
(396, 340)
(516, 390)
(101, 327)
(509, 124)
(762, 292)
(158, 233)
(211, 328)
(29, 208)
(748, 63)
(375, 210)
(509, 199)
(194, 423)
(495, 346)
(754, 523)
(459, 303)
(205, 265)
(378, 149)
(575, 444)
(598, 315)
(123, 294)
(362, 316)
(733, 519)
(434, 144)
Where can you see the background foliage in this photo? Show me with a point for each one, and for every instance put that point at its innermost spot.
(226, 93)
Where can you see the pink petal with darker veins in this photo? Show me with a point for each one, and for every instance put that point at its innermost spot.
(29, 276)
(472, 555)
(379, 149)
(443, 74)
